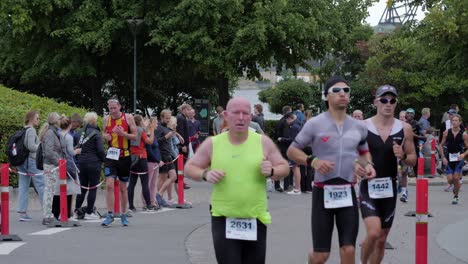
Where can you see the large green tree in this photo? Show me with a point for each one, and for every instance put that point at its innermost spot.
(425, 61)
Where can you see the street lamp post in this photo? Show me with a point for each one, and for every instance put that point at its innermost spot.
(134, 25)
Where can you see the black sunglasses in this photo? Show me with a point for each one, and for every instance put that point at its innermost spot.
(386, 101)
(339, 89)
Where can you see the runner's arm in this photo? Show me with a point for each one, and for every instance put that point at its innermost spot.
(442, 144)
(465, 139)
(280, 166)
(132, 127)
(408, 147)
(201, 160)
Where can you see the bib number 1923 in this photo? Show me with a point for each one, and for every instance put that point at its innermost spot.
(242, 229)
(337, 196)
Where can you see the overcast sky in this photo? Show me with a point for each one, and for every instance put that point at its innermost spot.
(375, 12)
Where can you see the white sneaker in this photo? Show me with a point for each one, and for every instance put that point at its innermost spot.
(294, 192)
(91, 216)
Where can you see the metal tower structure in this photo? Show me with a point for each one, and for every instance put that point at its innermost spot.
(398, 12)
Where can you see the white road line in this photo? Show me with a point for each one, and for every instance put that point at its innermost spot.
(8, 247)
(158, 211)
(50, 231)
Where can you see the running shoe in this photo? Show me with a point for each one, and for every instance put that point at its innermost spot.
(455, 200)
(109, 219)
(294, 192)
(404, 198)
(449, 188)
(91, 216)
(124, 220)
(25, 217)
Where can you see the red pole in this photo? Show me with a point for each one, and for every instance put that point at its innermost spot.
(63, 190)
(433, 157)
(117, 196)
(180, 178)
(4, 189)
(420, 167)
(422, 210)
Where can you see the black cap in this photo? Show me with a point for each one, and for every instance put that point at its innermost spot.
(384, 89)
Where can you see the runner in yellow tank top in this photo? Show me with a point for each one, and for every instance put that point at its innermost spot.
(237, 163)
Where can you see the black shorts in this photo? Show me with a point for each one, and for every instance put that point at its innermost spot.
(118, 168)
(323, 221)
(233, 251)
(383, 208)
(169, 166)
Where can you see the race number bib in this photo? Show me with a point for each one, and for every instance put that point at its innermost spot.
(454, 156)
(241, 229)
(337, 196)
(113, 153)
(380, 188)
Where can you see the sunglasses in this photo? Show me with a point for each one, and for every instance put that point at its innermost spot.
(339, 89)
(386, 101)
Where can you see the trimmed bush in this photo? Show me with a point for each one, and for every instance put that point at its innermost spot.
(14, 105)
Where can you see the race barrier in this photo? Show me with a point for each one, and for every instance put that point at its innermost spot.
(63, 221)
(5, 206)
(422, 214)
(181, 203)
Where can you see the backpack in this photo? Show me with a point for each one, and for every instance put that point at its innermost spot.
(16, 151)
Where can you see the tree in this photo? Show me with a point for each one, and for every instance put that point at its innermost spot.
(426, 61)
(231, 38)
(291, 92)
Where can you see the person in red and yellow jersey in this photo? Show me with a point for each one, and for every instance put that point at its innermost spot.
(119, 129)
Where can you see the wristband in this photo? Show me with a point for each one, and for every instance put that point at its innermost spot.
(309, 160)
(272, 172)
(313, 161)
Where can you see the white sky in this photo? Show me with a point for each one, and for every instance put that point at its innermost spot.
(375, 12)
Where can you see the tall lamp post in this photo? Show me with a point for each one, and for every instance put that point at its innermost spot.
(135, 26)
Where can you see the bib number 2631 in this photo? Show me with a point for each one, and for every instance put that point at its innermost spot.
(242, 229)
(337, 196)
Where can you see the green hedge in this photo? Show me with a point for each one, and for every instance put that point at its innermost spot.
(270, 126)
(14, 105)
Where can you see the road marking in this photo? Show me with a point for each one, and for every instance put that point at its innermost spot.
(50, 231)
(158, 211)
(8, 247)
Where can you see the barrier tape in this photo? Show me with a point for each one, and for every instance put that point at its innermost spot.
(32, 174)
(84, 187)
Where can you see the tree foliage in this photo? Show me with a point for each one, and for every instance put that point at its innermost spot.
(426, 61)
(291, 92)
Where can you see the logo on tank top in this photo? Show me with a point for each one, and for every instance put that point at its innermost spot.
(325, 139)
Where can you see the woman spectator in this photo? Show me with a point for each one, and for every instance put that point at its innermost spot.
(154, 163)
(176, 139)
(139, 166)
(89, 163)
(28, 169)
(52, 152)
(73, 187)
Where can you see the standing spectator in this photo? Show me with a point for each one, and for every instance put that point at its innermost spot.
(154, 163)
(282, 131)
(308, 114)
(66, 141)
(52, 151)
(139, 167)
(194, 128)
(402, 116)
(294, 127)
(299, 113)
(28, 170)
(89, 163)
(258, 116)
(182, 129)
(76, 123)
(445, 116)
(357, 114)
(424, 120)
(218, 120)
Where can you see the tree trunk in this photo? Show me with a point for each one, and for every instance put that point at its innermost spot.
(222, 85)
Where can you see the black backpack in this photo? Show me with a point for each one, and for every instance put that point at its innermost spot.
(16, 151)
(40, 158)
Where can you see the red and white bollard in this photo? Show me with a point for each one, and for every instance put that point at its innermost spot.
(5, 198)
(180, 184)
(420, 168)
(422, 213)
(63, 221)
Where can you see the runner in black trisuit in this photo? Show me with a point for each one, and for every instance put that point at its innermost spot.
(385, 138)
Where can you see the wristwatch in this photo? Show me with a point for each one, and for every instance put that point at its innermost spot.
(203, 176)
(272, 172)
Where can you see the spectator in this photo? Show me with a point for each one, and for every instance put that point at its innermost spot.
(299, 113)
(218, 121)
(258, 116)
(357, 114)
(424, 120)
